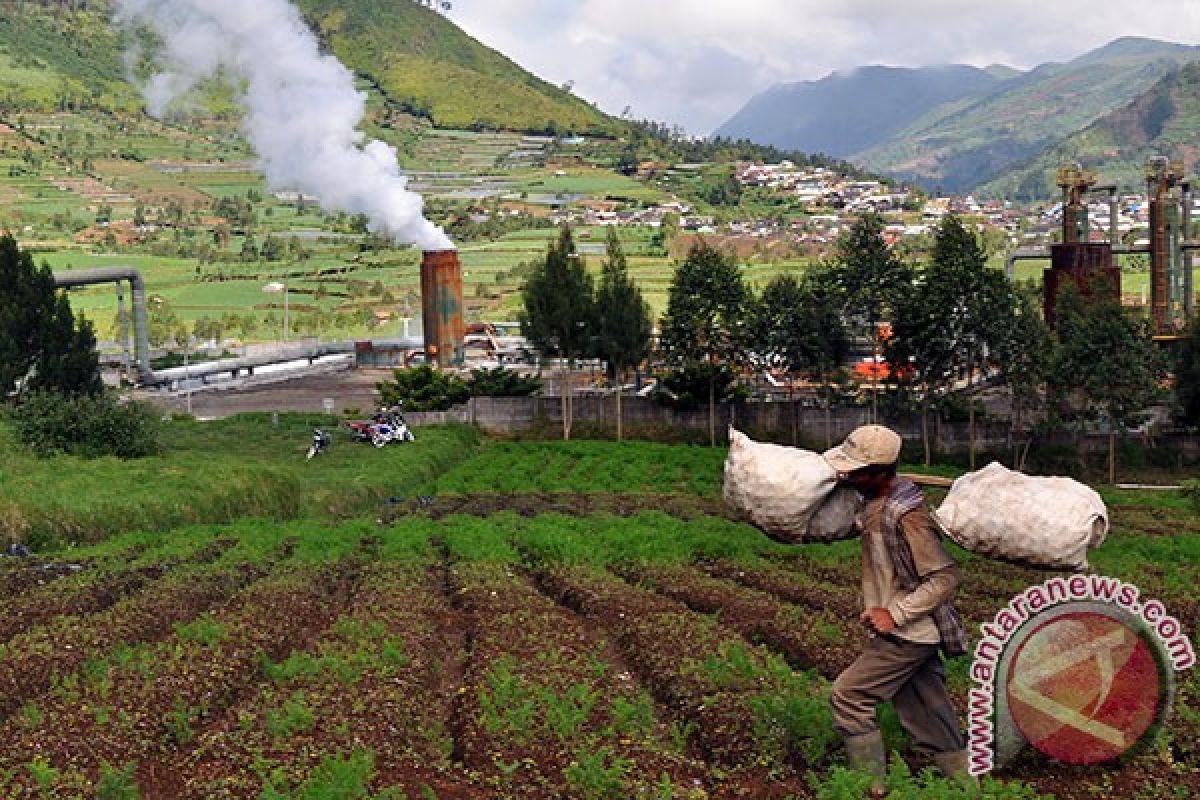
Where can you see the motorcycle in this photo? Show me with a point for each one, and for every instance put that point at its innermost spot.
(320, 443)
(397, 420)
(385, 426)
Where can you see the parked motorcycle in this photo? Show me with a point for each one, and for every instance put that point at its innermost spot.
(320, 443)
(385, 426)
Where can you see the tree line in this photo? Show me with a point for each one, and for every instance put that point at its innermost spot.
(936, 331)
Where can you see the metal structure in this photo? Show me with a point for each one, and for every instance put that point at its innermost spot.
(1089, 266)
(1075, 183)
(442, 307)
(1171, 291)
(91, 277)
(1094, 271)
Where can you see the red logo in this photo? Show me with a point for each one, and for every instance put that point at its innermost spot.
(1084, 687)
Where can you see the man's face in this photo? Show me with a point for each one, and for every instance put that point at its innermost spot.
(866, 481)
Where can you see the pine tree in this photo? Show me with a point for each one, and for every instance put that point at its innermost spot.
(795, 328)
(705, 324)
(42, 345)
(870, 278)
(558, 317)
(953, 318)
(623, 325)
(1108, 361)
(1187, 376)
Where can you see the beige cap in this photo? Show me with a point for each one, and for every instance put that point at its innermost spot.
(870, 444)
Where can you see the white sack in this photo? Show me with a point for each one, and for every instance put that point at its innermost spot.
(1039, 521)
(835, 518)
(777, 488)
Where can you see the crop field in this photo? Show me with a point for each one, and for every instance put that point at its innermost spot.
(137, 162)
(460, 618)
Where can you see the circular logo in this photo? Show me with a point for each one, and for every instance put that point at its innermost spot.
(1085, 686)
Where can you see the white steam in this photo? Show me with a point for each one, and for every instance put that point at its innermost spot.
(302, 109)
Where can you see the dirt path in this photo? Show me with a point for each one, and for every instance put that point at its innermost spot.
(352, 389)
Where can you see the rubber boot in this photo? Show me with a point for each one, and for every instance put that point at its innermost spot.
(954, 766)
(866, 753)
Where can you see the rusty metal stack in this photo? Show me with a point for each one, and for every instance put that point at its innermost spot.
(442, 307)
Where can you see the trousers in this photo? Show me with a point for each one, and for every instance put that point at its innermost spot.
(911, 676)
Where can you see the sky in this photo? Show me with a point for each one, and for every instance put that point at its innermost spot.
(696, 62)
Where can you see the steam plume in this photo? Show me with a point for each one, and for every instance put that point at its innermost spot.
(302, 109)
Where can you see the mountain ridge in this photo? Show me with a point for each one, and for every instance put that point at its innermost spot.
(840, 127)
(1161, 121)
(56, 58)
(973, 140)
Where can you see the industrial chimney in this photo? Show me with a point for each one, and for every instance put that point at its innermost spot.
(441, 307)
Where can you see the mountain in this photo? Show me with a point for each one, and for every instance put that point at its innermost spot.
(425, 63)
(846, 113)
(958, 146)
(419, 59)
(917, 125)
(51, 59)
(1165, 120)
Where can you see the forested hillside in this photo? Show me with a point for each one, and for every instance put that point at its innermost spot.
(65, 54)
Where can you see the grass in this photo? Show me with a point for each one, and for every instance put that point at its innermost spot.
(586, 466)
(790, 710)
(212, 472)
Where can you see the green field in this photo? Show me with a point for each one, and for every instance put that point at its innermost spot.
(465, 618)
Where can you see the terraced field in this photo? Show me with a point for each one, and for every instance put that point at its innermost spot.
(575, 620)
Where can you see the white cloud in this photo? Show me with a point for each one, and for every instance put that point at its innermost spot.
(695, 63)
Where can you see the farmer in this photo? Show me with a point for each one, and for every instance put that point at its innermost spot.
(908, 583)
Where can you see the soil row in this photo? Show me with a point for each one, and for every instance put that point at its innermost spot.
(380, 681)
(35, 660)
(809, 638)
(144, 703)
(91, 589)
(548, 709)
(572, 504)
(743, 709)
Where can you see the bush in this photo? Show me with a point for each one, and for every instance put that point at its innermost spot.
(501, 382)
(91, 427)
(423, 388)
(687, 388)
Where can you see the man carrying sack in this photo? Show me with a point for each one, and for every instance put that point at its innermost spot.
(908, 583)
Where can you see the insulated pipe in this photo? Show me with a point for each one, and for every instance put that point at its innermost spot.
(1023, 254)
(1114, 231)
(123, 332)
(89, 277)
(1189, 289)
(1187, 211)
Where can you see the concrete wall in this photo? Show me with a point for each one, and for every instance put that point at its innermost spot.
(508, 416)
(782, 422)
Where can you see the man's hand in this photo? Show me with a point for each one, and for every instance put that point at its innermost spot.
(878, 619)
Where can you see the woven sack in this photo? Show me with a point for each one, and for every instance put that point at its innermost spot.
(780, 489)
(1036, 521)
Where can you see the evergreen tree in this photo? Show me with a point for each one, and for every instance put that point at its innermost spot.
(1187, 376)
(950, 320)
(1107, 361)
(705, 323)
(1025, 358)
(623, 325)
(558, 317)
(796, 329)
(42, 344)
(870, 278)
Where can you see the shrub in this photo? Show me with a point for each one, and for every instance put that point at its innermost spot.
(91, 427)
(423, 388)
(501, 382)
(687, 388)
(117, 784)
